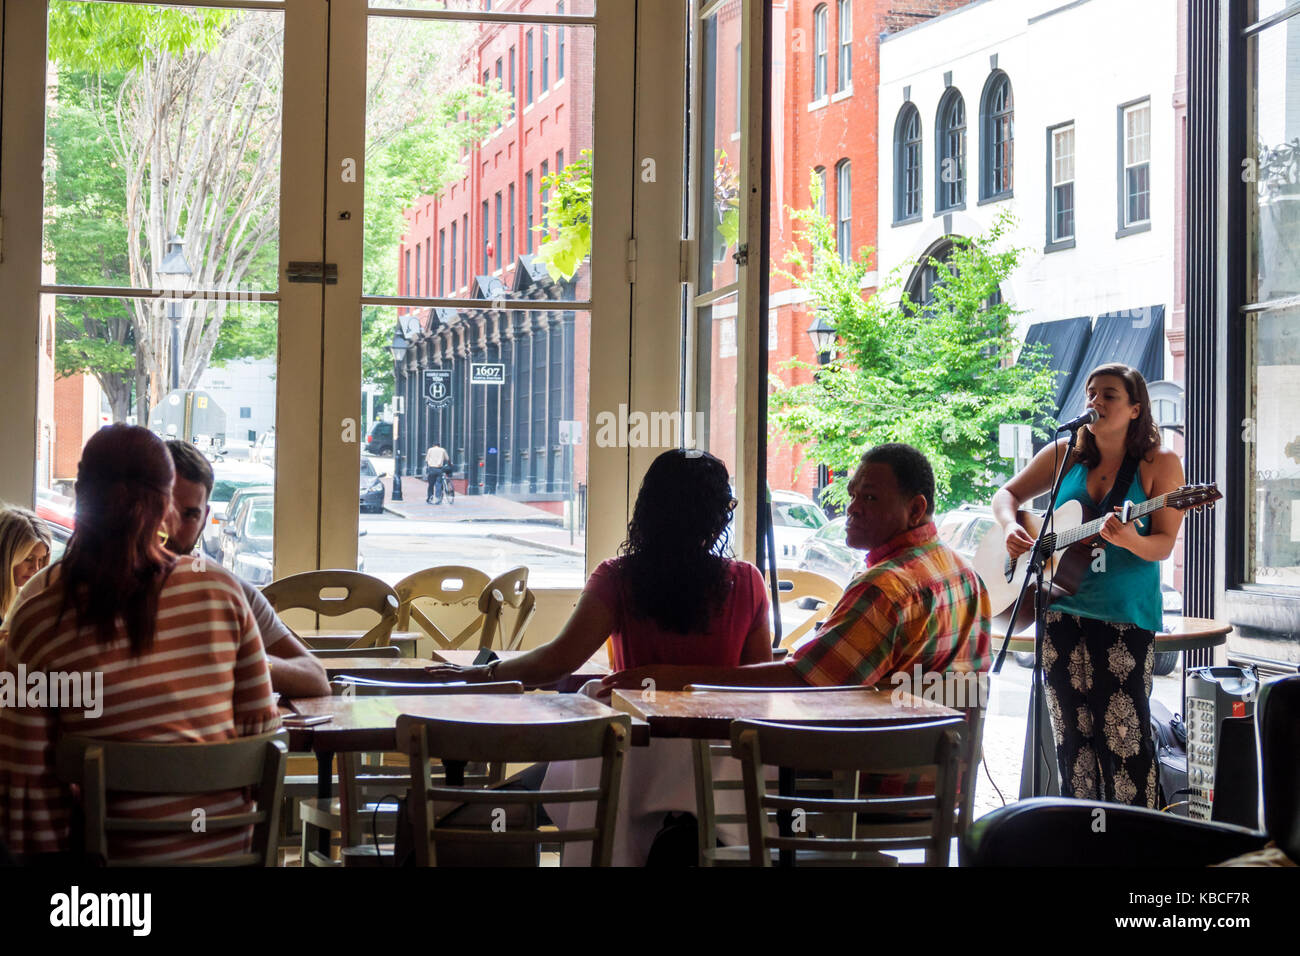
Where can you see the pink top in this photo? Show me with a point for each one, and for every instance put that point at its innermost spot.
(640, 642)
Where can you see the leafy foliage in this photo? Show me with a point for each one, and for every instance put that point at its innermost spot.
(937, 375)
(568, 212)
(114, 38)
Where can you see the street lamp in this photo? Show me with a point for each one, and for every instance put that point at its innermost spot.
(398, 348)
(173, 275)
(822, 334)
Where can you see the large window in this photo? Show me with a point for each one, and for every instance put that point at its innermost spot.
(844, 210)
(998, 133)
(820, 16)
(845, 60)
(1135, 167)
(528, 212)
(950, 152)
(1060, 199)
(546, 58)
(528, 69)
(1271, 317)
(907, 164)
(559, 44)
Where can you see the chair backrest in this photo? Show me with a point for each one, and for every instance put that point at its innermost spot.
(1278, 713)
(422, 595)
(360, 592)
(424, 738)
(797, 585)
(391, 651)
(508, 588)
(346, 684)
(102, 767)
(925, 747)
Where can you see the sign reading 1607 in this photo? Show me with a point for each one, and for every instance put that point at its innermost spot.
(437, 387)
(486, 373)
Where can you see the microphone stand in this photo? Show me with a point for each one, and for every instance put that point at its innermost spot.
(1035, 570)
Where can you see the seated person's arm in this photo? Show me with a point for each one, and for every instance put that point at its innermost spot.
(294, 671)
(582, 635)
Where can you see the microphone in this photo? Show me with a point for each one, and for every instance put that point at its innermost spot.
(1087, 418)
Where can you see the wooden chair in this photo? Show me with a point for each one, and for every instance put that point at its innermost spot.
(360, 782)
(708, 786)
(508, 588)
(445, 587)
(960, 696)
(361, 592)
(874, 823)
(100, 767)
(424, 738)
(794, 586)
(387, 651)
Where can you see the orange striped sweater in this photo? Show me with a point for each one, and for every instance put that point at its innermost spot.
(204, 679)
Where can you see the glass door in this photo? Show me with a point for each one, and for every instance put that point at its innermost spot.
(179, 179)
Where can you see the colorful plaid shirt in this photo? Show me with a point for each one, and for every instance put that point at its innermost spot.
(917, 602)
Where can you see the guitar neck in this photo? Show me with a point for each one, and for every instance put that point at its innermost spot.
(1091, 529)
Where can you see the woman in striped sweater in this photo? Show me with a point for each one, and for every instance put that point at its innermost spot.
(165, 649)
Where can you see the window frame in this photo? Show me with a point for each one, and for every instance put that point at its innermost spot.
(1123, 226)
(821, 29)
(1054, 244)
(904, 149)
(949, 103)
(844, 209)
(989, 126)
(528, 68)
(844, 58)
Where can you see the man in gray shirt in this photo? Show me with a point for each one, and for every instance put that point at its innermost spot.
(294, 672)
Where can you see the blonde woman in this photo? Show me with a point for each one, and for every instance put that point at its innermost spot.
(24, 550)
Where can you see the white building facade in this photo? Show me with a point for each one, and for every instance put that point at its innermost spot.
(1058, 112)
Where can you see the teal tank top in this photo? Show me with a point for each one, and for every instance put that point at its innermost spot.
(1128, 590)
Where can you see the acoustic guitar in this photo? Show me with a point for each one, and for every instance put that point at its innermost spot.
(1068, 549)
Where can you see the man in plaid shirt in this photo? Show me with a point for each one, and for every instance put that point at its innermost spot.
(916, 603)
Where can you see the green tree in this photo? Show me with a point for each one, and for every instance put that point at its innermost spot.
(938, 375)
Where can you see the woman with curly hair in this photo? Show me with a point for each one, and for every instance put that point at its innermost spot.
(670, 597)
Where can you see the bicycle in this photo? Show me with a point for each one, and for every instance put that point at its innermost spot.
(448, 489)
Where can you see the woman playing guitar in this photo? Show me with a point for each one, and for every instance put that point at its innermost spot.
(1099, 644)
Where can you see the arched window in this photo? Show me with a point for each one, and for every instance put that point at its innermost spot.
(820, 18)
(844, 210)
(998, 135)
(950, 152)
(907, 164)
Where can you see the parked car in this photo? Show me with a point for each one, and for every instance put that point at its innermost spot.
(56, 510)
(380, 439)
(372, 489)
(228, 479)
(59, 536)
(247, 537)
(795, 518)
(263, 450)
(826, 552)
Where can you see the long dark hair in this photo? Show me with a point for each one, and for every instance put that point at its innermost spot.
(1143, 435)
(115, 564)
(672, 558)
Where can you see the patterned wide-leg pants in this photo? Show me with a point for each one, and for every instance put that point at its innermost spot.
(1098, 689)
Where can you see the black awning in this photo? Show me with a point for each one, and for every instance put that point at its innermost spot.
(1065, 341)
(1135, 337)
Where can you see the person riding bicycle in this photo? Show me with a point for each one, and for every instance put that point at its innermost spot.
(437, 465)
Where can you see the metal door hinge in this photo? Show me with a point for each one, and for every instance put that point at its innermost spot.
(686, 260)
(325, 273)
(631, 260)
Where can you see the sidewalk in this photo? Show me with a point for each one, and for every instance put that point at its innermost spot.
(466, 508)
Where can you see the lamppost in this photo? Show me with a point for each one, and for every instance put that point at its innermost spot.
(398, 348)
(173, 274)
(822, 334)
